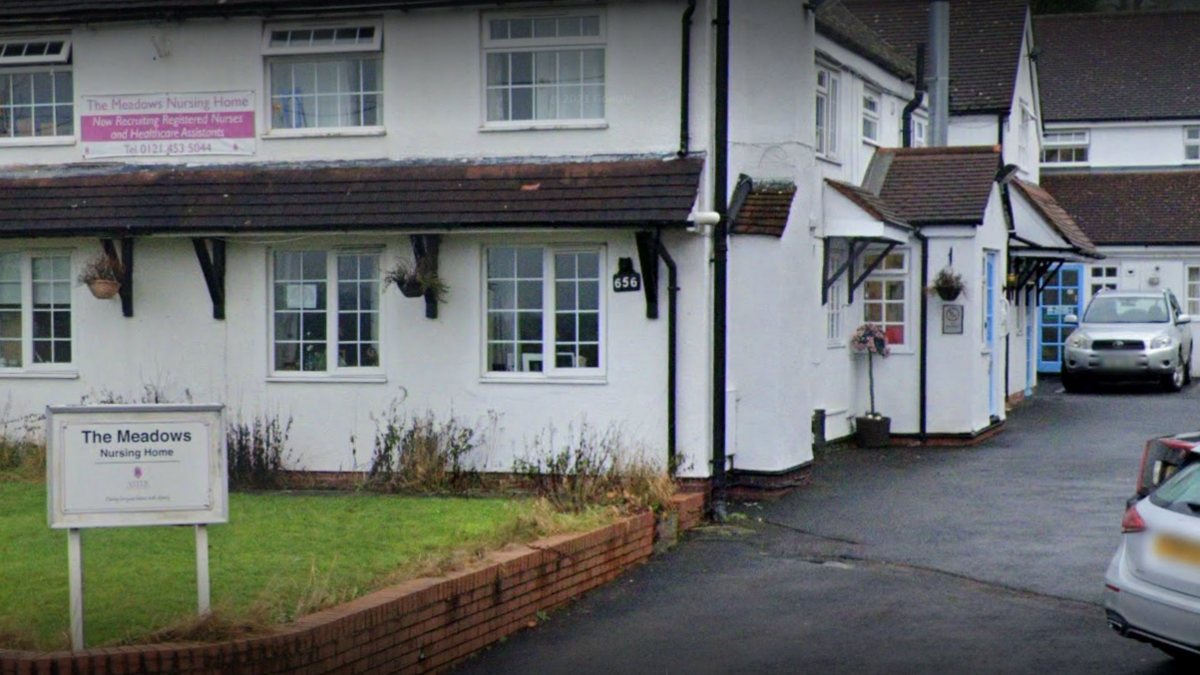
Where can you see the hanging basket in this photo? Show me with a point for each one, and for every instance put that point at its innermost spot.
(948, 293)
(104, 289)
(412, 288)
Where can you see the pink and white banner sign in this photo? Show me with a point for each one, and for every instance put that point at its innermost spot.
(137, 125)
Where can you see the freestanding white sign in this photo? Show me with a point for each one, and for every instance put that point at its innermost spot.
(128, 465)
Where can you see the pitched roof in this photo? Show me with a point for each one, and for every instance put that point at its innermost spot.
(1056, 216)
(1143, 207)
(985, 45)
(1123, 66)
(929, 186)
(843, 27)
(765, 210)
(867, 201)
(61, 11)
(261, 198)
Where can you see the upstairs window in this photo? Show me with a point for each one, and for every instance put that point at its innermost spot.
(325, 77)
(827, 113)
(870, 116)
(920, 132)
(544, 68)
(1191, 144)
(37, 93)
(1065, 147)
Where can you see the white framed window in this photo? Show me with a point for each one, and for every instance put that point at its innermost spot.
(35, 311)
(1191, 144)
(827, 113)
(1023, 134)
(835, 307)
(324, 76)
(870, 115)
(545, 310)
(1191, 294)
(885, 295)
(37, 91)
(920, 132)
(325, 311)
(544, 69)
(1065, 147)
(1102, 277)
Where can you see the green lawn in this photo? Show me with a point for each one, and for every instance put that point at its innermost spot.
(276, 550)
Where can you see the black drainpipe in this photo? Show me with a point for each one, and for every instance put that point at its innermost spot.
(918, 97)
(720, 254)
(685, 78)
(672, 333)
(923, 386)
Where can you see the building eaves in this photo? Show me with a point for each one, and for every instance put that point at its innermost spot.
(839, 24)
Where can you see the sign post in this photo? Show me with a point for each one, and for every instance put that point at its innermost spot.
(135, 465)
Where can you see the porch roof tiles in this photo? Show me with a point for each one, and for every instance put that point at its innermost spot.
(336, 198)
(765, 210)
(1057, 216)
(1132, 207)
(932, 186)
(985, 45)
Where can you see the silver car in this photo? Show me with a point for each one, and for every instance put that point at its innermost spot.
(1152, 589)
(1128, 335)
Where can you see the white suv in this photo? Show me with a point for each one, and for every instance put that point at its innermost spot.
(1128, 335)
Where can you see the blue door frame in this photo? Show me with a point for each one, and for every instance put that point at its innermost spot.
(989, 328)
(1062, 295)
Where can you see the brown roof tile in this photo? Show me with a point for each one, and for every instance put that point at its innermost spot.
(1123, 66)
(339, 198)
(1058, 217)
(843, 27)
(985, 44)
(1152, 207)
(765, 210)
(867, 201)
(927, 186)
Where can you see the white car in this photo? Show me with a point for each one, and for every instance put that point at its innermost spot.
(1152, 589)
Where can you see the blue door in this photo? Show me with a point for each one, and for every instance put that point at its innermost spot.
(989, 329)
(1062, 295)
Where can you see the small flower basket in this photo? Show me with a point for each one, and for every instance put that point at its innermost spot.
(948, 284)
(103, 276)
(414, 281)
(871, 430)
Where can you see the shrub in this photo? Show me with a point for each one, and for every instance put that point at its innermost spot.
(258, 452)
(22, 448)
(592, 469)
(421, 453)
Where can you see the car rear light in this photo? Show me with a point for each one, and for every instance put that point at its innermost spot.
(1142, 471)
(1132, 522)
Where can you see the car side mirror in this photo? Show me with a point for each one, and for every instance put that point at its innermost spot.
(1183, 318)
(1070, 318)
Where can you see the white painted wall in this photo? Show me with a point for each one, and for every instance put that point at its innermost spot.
(432, 73)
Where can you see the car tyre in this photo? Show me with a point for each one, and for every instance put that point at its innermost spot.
(1072, 383)
(1175, 380)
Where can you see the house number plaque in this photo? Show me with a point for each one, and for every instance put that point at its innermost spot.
(626, 279)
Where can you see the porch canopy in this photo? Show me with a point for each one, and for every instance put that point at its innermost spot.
(1042, 235)
(855, 219)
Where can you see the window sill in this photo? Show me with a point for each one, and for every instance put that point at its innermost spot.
(43, 141)
(38, 374)
(872, 143)
(829, 159)
(835, 345)
(339, 132)
(536, 378)
(543, 126)
(282, 378)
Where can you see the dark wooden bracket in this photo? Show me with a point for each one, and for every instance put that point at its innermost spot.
(1049, 274)
(126, 260)
(647, 246)
(855, 282)
(212, 265)
(856, 249)
(425, 253)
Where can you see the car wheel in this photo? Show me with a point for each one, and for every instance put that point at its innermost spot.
(1175, 380)
(1074, 384)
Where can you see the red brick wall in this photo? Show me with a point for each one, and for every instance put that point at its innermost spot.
(423, 626)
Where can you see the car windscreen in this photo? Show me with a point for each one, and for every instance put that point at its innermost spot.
(1127, 310)
(1181, 493)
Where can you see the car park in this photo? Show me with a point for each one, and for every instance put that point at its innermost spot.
(1152, 588)
(1128, 335)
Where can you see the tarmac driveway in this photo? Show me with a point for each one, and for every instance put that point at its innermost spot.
(978, 560)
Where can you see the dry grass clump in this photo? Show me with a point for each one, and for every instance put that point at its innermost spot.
(222, 624)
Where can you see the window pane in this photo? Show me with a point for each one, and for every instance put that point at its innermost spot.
(590, 26)
(520, 28)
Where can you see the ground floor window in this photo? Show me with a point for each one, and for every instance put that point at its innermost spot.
(1102, 277)
(545, 309)
(835, 304)
(35, 310)
(885, 294)
(1191, 295)
(326, 311)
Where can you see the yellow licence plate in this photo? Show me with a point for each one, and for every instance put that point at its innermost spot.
(1174, 548)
